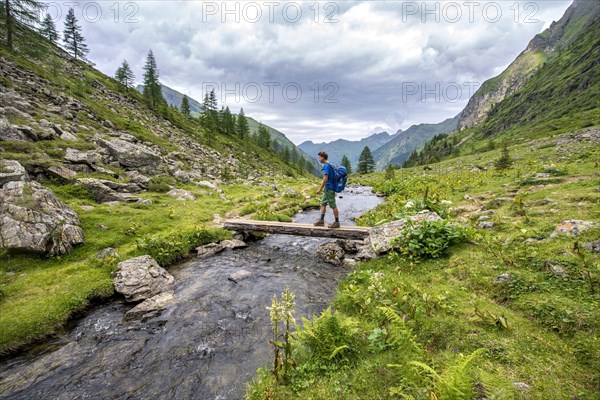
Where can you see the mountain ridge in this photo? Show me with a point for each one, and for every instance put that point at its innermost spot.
(577, 18)
(351, 148)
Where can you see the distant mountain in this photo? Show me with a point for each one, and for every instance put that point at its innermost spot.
(351, 149)
(560, 35)
(174, 98)
(404, 142)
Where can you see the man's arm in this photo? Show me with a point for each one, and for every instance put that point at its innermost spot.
(323, 183)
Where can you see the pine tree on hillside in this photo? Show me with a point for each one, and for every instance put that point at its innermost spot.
(48, 29)
(152, 89)
(390, 174)
(124, 74)
(210, 115)
(366, 162)
(18, 13)
(228, 122)
(263, 138)
(504, 161)
(285, 155)
(346, 163)
(185, 106)
(74, 41)
(242, 128)
(212, 99)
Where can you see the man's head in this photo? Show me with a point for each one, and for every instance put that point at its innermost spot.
(323, 156)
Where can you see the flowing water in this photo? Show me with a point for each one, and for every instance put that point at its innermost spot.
(206, 345)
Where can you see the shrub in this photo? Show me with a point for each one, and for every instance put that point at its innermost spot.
(430, 239)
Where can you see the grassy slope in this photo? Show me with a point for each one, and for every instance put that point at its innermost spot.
(552, 344)
(38, 295)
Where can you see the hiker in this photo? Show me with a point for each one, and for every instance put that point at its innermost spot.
(328, 194)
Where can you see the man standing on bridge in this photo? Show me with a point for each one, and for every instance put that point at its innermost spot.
(328, 194)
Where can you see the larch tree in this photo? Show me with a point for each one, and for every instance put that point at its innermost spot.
(152, 89)
(242, 128)
(48, 29)
(124, 74)
(185, 106)
(72, 37)
(17, 14)
(346, 163)
(366, 162)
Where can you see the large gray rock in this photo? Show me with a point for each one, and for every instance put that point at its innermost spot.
(82, 157)
(209, 186)
(140, 278)
(63, 173)
(133, 155)
(10, 132)
(331, 253)
(32, 219)
(139, 179)
(11, 170)
(181, 194)
(381, 237)
(150, 307)
(103, 193)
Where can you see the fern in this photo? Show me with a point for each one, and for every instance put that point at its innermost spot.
(331, 338)
(399, 335)
(454, 383)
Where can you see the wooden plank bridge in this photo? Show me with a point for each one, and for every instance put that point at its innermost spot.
(287, 228)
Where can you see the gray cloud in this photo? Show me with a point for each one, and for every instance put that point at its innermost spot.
(373, 57)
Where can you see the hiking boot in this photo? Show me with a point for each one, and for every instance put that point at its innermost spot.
(320, 222)
(334, 225)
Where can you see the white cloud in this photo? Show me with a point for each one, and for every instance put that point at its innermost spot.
(373, 51)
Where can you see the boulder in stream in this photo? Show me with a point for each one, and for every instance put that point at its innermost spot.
(140, 278)
(150, 307)
(331, 253)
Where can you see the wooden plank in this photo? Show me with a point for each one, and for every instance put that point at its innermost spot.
(287, 228)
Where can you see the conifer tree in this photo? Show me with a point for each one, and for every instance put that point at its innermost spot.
(390, 174)
(504, 161)
(228, 122)
(16, 14)
(185, 106)
(366, 162)
(285, 155)
(124, 74)
(152, 89)
(48, 29)
(242, 128)
(263, 138)
(73, 39)
(346, 163)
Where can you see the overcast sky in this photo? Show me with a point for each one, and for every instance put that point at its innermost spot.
(318, 71)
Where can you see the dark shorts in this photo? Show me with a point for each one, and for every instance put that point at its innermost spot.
(328, 198)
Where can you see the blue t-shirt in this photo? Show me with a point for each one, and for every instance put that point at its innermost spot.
(329, 171)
